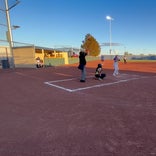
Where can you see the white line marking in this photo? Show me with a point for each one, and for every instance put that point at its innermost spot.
(50, 83)
(60, 80)
(63, 88)
(101, 85)
(65, 80)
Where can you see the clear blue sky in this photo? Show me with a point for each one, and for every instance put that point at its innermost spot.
(53, 23)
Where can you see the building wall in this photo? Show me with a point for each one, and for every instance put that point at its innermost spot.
(24, 57)
(4, 52)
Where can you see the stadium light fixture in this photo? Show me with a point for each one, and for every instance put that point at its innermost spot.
(15, 27)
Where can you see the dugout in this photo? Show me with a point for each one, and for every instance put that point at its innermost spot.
(25, 56)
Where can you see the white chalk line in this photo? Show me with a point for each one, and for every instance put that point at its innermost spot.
(57, 86)
(51, 83)
(63, 80)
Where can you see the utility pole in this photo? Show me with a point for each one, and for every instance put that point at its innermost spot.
(110, 33)
(9, 33)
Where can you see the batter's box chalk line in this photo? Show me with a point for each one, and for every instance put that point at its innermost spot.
(52, 83)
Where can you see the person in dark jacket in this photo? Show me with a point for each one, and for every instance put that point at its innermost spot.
(82, 65)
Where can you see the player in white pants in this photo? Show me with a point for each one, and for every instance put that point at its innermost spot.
(116, 68)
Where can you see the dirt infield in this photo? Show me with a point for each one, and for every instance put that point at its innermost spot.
(141, 66)
(48, 112)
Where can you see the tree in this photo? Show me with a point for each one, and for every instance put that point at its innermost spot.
(91, 45)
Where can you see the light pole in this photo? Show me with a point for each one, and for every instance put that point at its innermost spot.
(9, 35)
(110, 33)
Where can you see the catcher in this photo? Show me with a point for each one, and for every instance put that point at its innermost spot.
(99, 74)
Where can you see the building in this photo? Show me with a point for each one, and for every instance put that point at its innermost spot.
(26, 56)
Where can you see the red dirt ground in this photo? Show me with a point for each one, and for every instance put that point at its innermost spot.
(113, 117)
(142, 66)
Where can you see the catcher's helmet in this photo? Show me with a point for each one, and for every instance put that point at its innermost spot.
(99, 65)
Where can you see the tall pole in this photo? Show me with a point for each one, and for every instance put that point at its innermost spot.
(9, 32)
(9, 36)
(110, 33)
